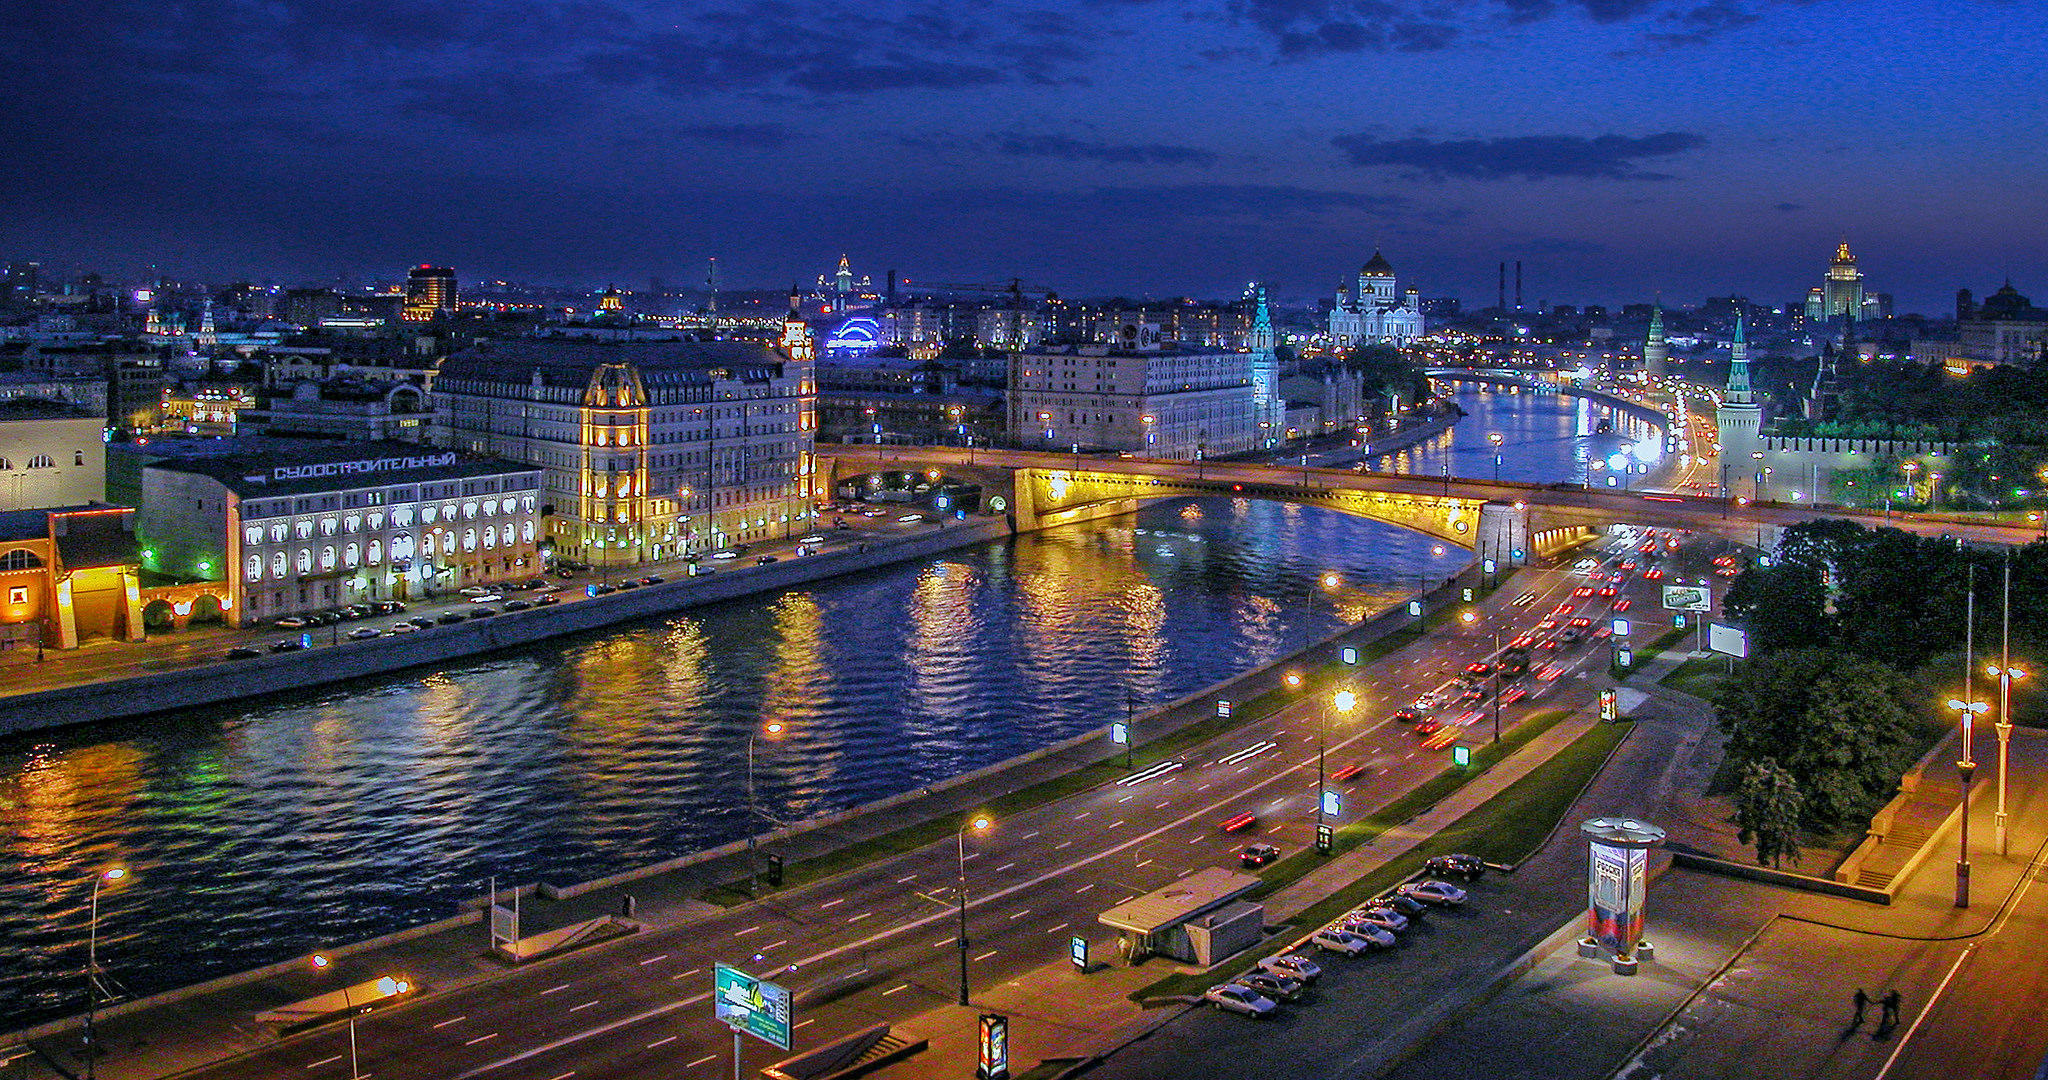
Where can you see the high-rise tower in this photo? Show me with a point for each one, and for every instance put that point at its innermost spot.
(429, 293)
(1656, 354)
(1739, 420)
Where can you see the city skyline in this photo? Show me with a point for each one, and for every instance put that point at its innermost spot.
(1618, 148)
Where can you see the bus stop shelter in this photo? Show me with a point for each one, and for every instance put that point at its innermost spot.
(1197, 920)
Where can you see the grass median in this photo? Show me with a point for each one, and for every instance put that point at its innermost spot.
(1082, 778)
(1701, 677)
(1504, 829)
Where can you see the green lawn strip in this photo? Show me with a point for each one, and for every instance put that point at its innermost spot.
(1504, 829)
(1173, 743)
(1701, 677)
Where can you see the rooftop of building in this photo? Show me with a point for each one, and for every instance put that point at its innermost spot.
(569, 362)
(35, 408)
(332, 465)
(34, 524)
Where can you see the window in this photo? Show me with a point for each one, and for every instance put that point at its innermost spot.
(353, 523)
(525, 531)
(278, 566)
(351, 555)
(17, 594)
(78, 457)
(277, 533)
(304, 528)
(490, 538)
(402, 517)
(468, 510)
(401, 546)
(254, 572)
(6, 464)
(427, 514)
(327, 526)
(305, 560)
(20, 559)
(376, 552)
(42, 461)
(377, 523)
(469, 540)
(253, 534)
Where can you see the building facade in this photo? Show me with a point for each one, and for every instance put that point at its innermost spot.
(1843, 292)
(650, 450)
(1150, 399)
(51, 454)
(1377, 313)
(429, 294)
(299, 530)
(2005, 329)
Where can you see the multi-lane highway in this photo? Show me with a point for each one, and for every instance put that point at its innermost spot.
(884, 935)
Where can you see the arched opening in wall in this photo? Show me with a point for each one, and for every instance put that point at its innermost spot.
(206, 610)
(157, 617)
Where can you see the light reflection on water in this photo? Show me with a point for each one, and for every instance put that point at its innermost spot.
(256, 834)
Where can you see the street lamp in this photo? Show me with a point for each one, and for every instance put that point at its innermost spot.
(773, 729)
(977, 823)
(1343, 701)
(348, 1007)
(1968, 711)
(92, 968)
(1495, 438)
(1150, 436)
(2005, 673)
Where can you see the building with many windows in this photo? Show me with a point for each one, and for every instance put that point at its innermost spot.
(1377, 312)
(1146, 397)
(51, 454)
(430, 293)
(302, 530)
(648, 450)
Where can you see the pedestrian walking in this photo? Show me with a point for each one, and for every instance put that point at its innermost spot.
(1862, 1001)
(1890, 1009)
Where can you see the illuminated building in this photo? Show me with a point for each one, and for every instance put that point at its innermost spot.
(51, 454)
(1375, 314)
(2005, 329)
(1842, 293)
(69, 574)
(314, 527)
(429, 293)
(1656, 351)
(649, 450)
(1268, 407)
(1141, 396)
(1738, 419)
(205, 406)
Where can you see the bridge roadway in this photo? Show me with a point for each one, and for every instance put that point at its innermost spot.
(638, 1007)
(1550, 506)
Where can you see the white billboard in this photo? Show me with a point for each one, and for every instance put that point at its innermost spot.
(1727, 639)
(1688, 598)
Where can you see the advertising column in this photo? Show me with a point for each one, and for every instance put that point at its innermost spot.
(1617, 875)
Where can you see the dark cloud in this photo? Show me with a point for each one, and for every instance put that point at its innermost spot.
(1182, 201)
(1305, 28)
(1071, 149)
(1701, 24)
(1789, 207)
(1608, 157)
(745, 136)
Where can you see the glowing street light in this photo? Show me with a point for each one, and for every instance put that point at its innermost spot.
(979, 823)
(92, 967)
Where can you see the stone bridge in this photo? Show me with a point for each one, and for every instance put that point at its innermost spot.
(1512, 523)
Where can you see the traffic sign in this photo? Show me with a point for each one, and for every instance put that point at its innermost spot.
(1678, 621)
(1625, 656)
(1325, 837)
(1461, 756)
(1333, 801)
(1620, 627)
(756, 1006)
(1077, 950)
(1468, 594)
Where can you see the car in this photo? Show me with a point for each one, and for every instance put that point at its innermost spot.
(422, 621)
(1653, 574)
(388, 607)
(1428, 725)
(841, 525)
(451, 618)
(1607, 591)
(1583, 590)
(1521, 644)
(1331, 939)
(1361, 919)
(483, 613)
(1563, 609)
(1628, 566)
(764, 560)
(517, 605)
(1479, 669)
(1347, 772)
(1294, 967)
(535, 583)
(1471, 694)
(240, 652)
(1434, 893)
(1457, 864)
(814, 538)
(356, 611)
(653, 579)
(364, 633)
(1271, 986)
(1407, 716)
(1254, 855)
(1406, 905)
(603, 589)
(1513, 694)
(1238, 998)
(396, 629)
(484, 598)
(726, 554)
(1548, 644)
(907, 519)
(1547, 624)
(629, 583)
(1581, 622)
(1550, 672)
(322, 618)
(1240, 822)
(292, 622)
(873, 512)
(474, 590)
(287, 645)
(546, 599)
(1622, 604)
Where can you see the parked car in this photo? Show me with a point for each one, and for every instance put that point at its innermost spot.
(517, 605)
(1458, 865)
(474, 590)
(1406, 905)
(387, 607)
(812, 539)
(764, 560)
(363, 633)
(603, 590)
(727, 554)
(1333, 939)
(1269, 985)
(356, 611)
(1238, 998)
(396, 629)
(422, 621)
(1359, 921)
(483, 612)
(1292, 966)
(1255, 855)
(629, 583)
(536, 583)
(909, 519)
(1434, 893)
(292, 622)
(240, 652)
(451, 618)
(652, 579)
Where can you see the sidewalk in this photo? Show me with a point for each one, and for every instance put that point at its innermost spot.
(181, 1030)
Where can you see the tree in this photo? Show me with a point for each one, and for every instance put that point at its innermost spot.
(1768, 809)
(1784, 606)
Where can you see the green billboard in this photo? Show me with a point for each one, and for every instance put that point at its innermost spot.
(756, 1006)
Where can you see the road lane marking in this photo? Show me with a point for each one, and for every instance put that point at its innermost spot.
(553, 989)
(1085, 888)
(564, 1076)
(687, 974)
(801, 1023)
(580, 1008)
(1029, 835)
(778, 944)
(1117, 824)
(481, 1038)
(1063, 844)
(1082, 814)
(831, 903)
(986, 955)
(895, 989)
(1163, 805)
(1127, 798)
(445, 1023)
(699, 1061)
(860, 916)
(1146, 863)
(1006, 866)
(1197, 840)
(905, 878)
(1926, 1009)
(1059, 928)
(654, 959)
(744, 933)
(659, 1043)
(324, 1061)
(1020, 913)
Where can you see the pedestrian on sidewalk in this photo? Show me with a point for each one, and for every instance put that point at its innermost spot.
(1862, 1001)
(1889, 1016)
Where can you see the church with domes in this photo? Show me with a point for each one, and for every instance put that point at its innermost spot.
(1377, 311)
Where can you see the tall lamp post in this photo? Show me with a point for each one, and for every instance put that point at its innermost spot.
(1495, 438)
(977, 823)
(1967, 710)
(2005, 673)
(92, 968)
(773, 729)
(348, 1007)
(1343, 701)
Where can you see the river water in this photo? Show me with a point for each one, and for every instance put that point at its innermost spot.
(256, 833)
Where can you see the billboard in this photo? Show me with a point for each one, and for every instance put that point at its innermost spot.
(756, 1006)
(1688, 598)
(1616, 887)
(1727, 639)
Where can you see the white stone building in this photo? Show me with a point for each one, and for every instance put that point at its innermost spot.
(1149, 399)
(1377, 312)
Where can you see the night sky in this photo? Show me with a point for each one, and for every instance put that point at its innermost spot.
(1617, 147)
